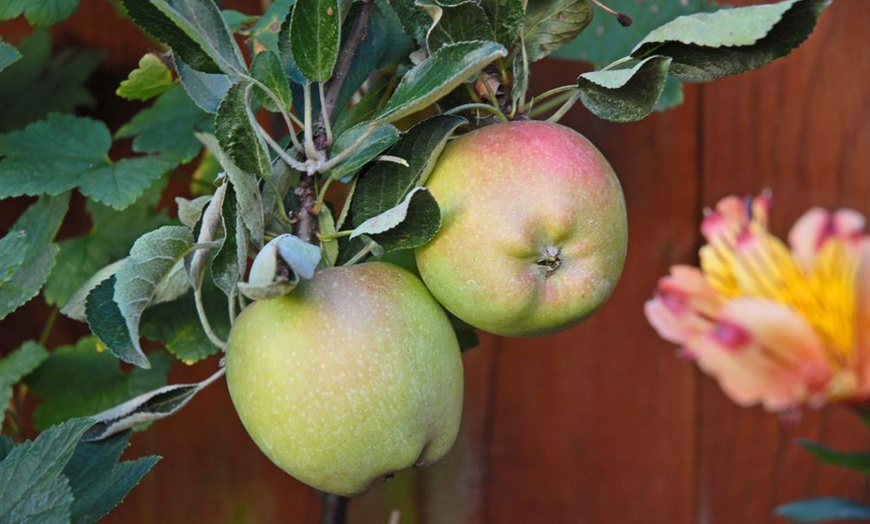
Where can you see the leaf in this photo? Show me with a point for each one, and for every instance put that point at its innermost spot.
(229, 263)
(151, 261)
(413, 18)
(236, 135)
(177, 326)
(110, 239)
(387, 184)
(148, 407)
(205, 89)
(14, 367)
(411, 223)
(823, 508)
(247, 191)
(328, 248)
(550, 24)
(278, 267)
(382, 137)
(98, 481)
(8, 55)
(150, 79)
(167, 127)
(625, 95)
(64, 152)
(706, 46)
(856, 461)
(436, 76)
(264, 33)
(39, 84)
(267, 69)
(207, 230)
(194, 29)
(108, 324)
(189, 211)
(26, 269)
(605, 40)
(40, 13)
(83, 380)
(505, 17)
(32, 488)
(315, 34)
(462, 22)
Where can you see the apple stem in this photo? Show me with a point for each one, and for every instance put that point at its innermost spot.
(334, 509)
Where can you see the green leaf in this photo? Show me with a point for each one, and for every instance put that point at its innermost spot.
(247, 190)
(207, 230)
(411, 223)
(167, 127)
(387, 184)
(98, 481)
(32, 488)
(856, 461)
(236, 135)
(205, 89)
(382, 137)
(26, 269)
(550, 24)
(14, 367)
(436, 76)
(39, 12)
(823, 508)
(315, 35)
(194, 29)
(39, 84)
(83, 380)
(110, 239)
(625, 95)
(505, 17)
(108, 324)
(328, 248)
(8, 55)
(461, 22)
(267, 69)
(176, 325)
(605, 40)
(397, 43)
(151, 262)
(706, 46)
(147, 407)
(413, 18)
(229, 263)
(264, 33)
(65, 152)
(150, 79)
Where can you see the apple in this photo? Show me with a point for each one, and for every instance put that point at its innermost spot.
(534, 229)
(354, 375)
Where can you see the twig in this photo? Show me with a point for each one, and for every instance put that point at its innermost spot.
(334, 509)
(342, 66)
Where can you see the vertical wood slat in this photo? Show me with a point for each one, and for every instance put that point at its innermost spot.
(601, 423)
(798, 127)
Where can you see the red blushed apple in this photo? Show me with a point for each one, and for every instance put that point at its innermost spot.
(534, 229)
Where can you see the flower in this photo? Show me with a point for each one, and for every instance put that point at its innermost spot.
(786, 326)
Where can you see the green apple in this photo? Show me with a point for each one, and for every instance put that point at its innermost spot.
(534, 229)
(354, 375)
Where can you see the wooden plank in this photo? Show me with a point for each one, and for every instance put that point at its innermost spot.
(595, 424)
(798, 127)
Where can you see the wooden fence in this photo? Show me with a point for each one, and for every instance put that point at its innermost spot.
(602, 423)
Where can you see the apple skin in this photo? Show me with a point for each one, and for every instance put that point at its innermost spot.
(534, 229)
(354, 375)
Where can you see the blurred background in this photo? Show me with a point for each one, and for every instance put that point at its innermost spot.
(601, 423)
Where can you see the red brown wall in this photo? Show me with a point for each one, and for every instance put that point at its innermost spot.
(602, 423)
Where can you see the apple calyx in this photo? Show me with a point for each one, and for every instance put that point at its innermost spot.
(550, 259)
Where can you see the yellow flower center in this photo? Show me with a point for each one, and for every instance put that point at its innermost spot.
(763, 267)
